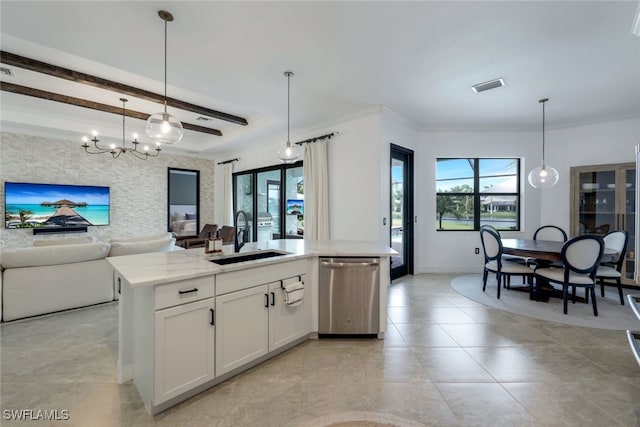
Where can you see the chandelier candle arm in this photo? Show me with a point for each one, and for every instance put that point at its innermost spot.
(543, 176)
(288, 154)
(114, 150)
(163, 127)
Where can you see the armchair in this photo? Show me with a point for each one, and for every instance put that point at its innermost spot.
(197, 242)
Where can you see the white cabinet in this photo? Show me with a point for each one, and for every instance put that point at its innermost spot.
(287, 323)
(241, 328)
(184, 348)
(255, 320)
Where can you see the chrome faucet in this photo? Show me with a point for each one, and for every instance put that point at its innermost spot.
(239, 241)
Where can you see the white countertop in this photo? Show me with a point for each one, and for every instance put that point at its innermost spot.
(162, 267)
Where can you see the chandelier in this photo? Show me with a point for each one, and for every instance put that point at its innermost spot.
(163, 127)
(116, 150)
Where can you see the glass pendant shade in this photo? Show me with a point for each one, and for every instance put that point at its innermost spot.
(543, 177)
(288, 153)
(164, 128)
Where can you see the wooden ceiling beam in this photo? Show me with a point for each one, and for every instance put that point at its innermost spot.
(79, 102)
(87, 79)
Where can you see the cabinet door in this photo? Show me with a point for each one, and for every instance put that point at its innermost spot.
(184, 348)
(628, 220)
(596, 210)
(241, 327)
(287, 322)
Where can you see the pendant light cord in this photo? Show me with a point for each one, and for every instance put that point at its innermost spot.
(123, 114)
(165, 65)
(543, 101)
(288, 106)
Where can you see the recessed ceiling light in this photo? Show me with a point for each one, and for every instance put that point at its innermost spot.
(491, 84)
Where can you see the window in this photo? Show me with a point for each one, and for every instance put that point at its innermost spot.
(473, 192)
(277, 189)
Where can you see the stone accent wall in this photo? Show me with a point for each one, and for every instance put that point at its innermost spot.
(138, 187)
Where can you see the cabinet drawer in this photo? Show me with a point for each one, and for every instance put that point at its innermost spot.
(184, 291)
(242, 279)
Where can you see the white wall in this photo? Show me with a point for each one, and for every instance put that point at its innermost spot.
(596, 144)
(601, 143)
(138, 188)
(354, 174)
(453, 251)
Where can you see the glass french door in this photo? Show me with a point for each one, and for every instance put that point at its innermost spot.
(402, 218)
(273, 199)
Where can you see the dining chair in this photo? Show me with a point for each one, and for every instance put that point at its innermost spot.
(580, 258)
(547, 232)
(550, 232)
(611, 270)
(494, 262)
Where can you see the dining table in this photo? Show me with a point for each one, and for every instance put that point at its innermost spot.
(547, 251)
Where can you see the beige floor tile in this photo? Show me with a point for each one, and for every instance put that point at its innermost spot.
(445, 361)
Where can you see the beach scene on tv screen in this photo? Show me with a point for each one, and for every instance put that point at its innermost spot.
(50, 205)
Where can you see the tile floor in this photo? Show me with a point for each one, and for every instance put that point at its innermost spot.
(446, 361)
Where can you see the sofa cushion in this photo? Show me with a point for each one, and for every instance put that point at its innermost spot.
(137, 247)
(53, 255)
(142, 238)
(64, 241)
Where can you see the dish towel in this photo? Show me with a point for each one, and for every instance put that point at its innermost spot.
(294, 293)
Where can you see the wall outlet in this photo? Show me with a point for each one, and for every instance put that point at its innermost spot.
(477, 251)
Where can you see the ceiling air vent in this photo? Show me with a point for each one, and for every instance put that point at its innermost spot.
(6, 71)
(491, 84)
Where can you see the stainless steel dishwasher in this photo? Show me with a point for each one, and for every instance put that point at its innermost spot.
(349, 296)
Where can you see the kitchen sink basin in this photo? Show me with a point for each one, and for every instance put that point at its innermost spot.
(232, 259)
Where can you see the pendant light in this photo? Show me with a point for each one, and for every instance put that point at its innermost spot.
(163, 127)
(288, 154)
(543, 176)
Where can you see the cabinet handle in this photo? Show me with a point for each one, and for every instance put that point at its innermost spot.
(273, 298)
(213, 317)
(188, 291)
(119, 286)
(266, 300)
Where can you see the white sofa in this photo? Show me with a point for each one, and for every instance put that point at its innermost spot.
(59, 274)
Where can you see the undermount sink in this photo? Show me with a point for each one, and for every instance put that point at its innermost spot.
(232, 259)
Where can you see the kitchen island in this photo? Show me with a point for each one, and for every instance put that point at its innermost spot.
(187, 323)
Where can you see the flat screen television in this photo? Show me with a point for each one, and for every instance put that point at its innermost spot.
(295, 207)
(54, 206)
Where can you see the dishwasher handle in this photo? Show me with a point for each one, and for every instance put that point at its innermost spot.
(349, 264)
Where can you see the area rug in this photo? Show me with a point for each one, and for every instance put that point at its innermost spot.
(611, 315)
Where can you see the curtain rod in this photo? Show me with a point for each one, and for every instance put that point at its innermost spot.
(317, 138)
(228, 161)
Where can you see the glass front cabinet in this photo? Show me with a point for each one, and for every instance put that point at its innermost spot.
(603, 199)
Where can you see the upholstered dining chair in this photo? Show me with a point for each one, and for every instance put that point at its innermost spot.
(547, 232)
(550, 232)
(580, 258)
(493, 261)
(611, 270)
